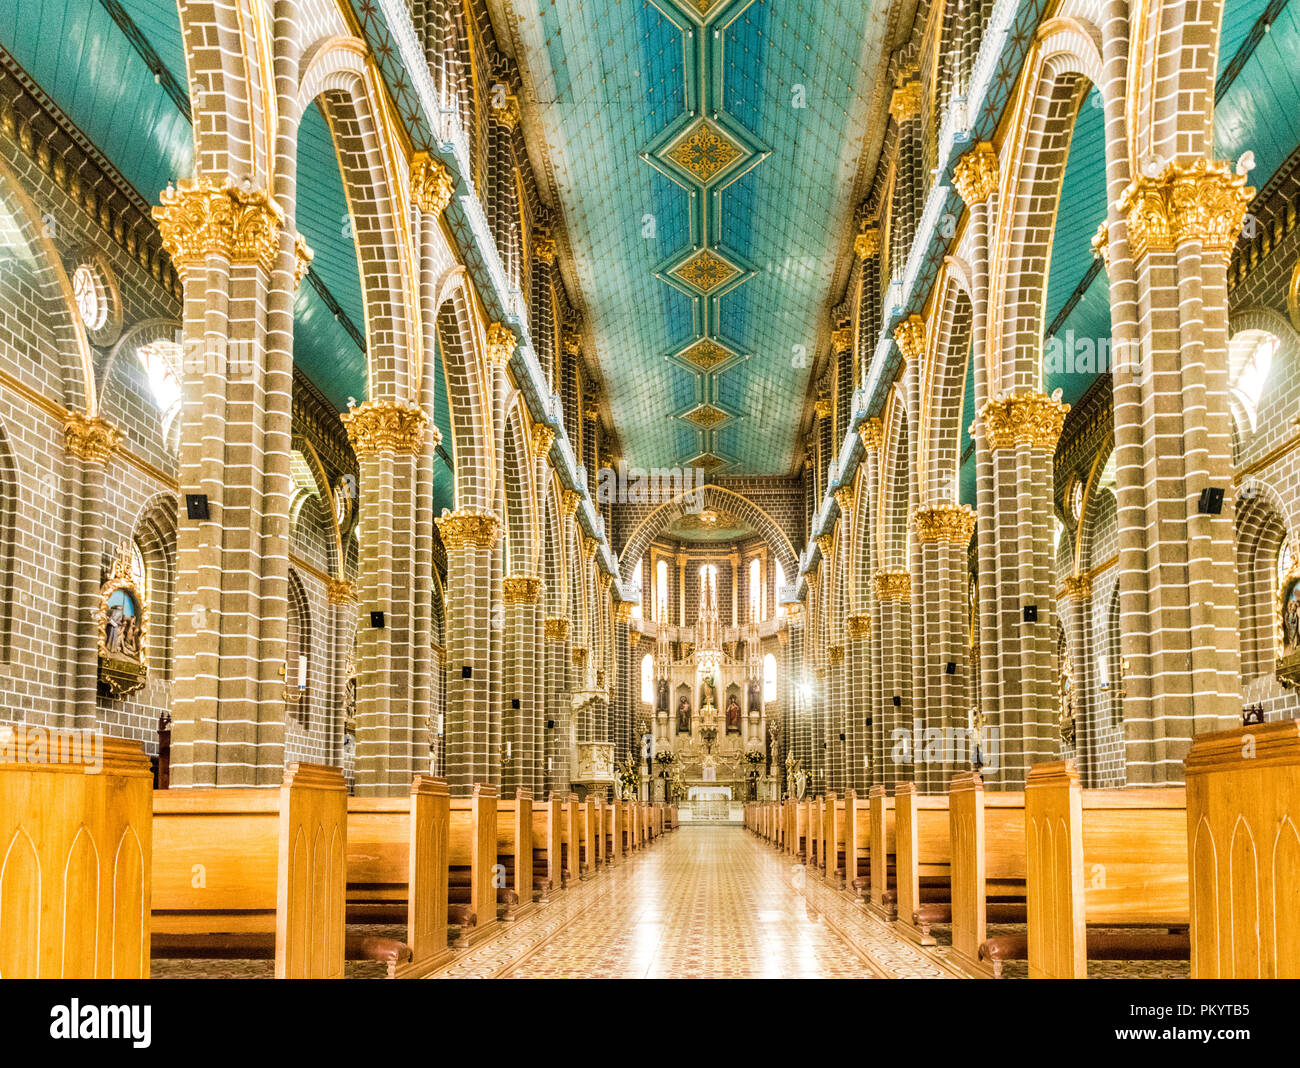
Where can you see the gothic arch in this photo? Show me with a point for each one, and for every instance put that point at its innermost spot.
(468, 395)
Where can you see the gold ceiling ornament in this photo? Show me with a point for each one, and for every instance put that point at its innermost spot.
(1202, 201)
(196, 221)
(835, 654)
(302, 257)
(944, 523)
(340, 591)
(706, 354)
(892, 585)
(91, 438)
(543, 437)
(1101, 243)
(387, 427)
(906, 101)
(569, 503)
(867, 243)
(544, 245)
(469, 528)
(871, 433)
(1075, 588)
(508, 113)
(501, 344)
(705, 271)
(521, 589)
(822, 406)
(844, 498)
(556, 629)
(708, 461)
(976, 174)
(1026, 419)
(859, 627)
(706, 416)
(841, 340)
(704, 152)
(910, 335)
(431, 184)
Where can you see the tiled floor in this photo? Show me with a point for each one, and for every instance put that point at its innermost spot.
(703, 902)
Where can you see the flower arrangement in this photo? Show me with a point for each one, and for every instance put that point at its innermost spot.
(754, 757)
(665, 757)
(628, 776)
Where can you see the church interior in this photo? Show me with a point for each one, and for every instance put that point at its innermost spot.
(650, 489)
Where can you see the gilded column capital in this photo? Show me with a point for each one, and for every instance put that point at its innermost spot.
(892, 585)
(835, 654)
(469, 528)
(859, 626)
(910, 335)
(822, 406)
(340, 591)
(569, 503)
(91, 438)
(507, 114)
(844, 498)
(841, 340)
(871, 433)
(622, 611)
(388, 427)
(432, 185)
(544, 246)
(521, 589)
(905, 103)
(302, 257)
(589, 546)
(975, 175)
(867, 243)
(603, 579)
(199, 220)
(542, 438)
(556, 629)
(1101, 243)
(944, 523)
(572, 341)
(1202, 201)
(1027, 419)
(1075, 588)
(826, 543)
(501, 344)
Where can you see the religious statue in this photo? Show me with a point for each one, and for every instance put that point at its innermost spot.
(121, 622)
(684, 715)
(708, 693)
(755, 696)
(733, 715)
(662, 704)
(1291, 619)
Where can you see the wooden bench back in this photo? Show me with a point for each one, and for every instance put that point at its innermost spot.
(1106, 857)
(987, 836)
(548, 833)
(472, 843)
(75, 856)
(614, 829)
(515, 840)
(1243, 815)
(397, 852)
(880, 817)
(923, 845)
(258, 860)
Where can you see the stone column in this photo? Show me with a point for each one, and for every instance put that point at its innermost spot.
(872, 687)
(343, 629)
(893, 591)
(240, 265)
(470, 536)
(522, 764)
(389, 438)
(556, 632)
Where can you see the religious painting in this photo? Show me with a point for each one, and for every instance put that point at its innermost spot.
(121, 624)
(683, 714)
(733, 712)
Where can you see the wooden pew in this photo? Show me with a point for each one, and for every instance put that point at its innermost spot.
(571, 839)
(472, 862)
(857, 848)
(602, 842)
(613, 825)
(798, 823)
(588, 837)
(1243, 809)
(270, 869)
(75, 870)
(923, 861)
(880, 817)
(833, 839)
(1110, 858)
(515, 853)
(548, 842)
(987, 834)
(397, 871)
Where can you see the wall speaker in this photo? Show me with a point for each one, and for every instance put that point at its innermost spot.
(466, 672)
(1031, 613)
(950, 668)
(1211, 501)
(196, 506)
(377, 620)
(514, 702)
(897, 701)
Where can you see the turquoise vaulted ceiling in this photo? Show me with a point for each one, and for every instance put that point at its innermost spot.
(704, 153)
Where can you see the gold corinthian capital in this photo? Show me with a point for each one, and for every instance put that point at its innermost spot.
(1024, 420)
(944, 523)
(388, 427)
(469, 528)
(197, 220)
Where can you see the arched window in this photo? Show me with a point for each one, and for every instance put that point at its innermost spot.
(661, 591)
(159, 360)
(769, 678)
(1252, 356)
(780, 581)
(647, 679)
(709, 577)
(756, 590)
(88, 290)
(636, 581)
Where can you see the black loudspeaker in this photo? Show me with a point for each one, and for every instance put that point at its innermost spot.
(841, 736)
(466, 672)
(897, 700)
(514, 702)
(550, 724)
(950, 668)
(1031, 613)
(1210, 502)
(377, 620)
(196, 506)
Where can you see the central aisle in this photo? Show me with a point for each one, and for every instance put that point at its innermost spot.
(702, 902)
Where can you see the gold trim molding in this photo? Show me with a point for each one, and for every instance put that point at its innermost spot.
(91, 438)
(975, 175)
(196, 221)
(378, 427)
(1024, 420)
(469, 528)
(1202, 201)
(945, 523)
(431, 184)
(892, 585)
